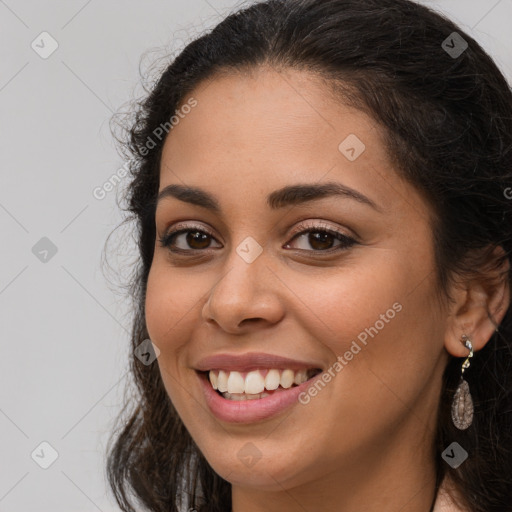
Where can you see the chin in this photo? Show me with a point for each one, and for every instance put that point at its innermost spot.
(267, 473)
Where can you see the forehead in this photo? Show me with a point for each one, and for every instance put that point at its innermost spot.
(283, 110)
(259, 131)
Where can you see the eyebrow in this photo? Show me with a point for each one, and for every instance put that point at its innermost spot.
(289, 195)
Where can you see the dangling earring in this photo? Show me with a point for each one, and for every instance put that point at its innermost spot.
(462, 406)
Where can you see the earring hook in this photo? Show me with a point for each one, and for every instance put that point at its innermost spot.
(468, 345)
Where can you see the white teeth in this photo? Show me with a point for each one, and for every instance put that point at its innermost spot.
(272, 379)
(236, 383)
(300, 377)
(213, 380)
(287, 378)
(222, 381)
(233, 385)
(254, 383)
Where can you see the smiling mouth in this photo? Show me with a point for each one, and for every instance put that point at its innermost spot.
(258, 383)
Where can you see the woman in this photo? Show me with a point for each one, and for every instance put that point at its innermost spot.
(322, 195)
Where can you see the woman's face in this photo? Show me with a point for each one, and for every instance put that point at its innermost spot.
(257, 278)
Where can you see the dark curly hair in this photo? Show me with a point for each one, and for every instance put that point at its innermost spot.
(447, 121)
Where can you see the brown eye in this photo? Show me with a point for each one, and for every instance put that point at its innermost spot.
(322, 240)
(197, 239)
(187, 240)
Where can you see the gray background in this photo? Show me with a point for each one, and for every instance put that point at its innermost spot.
(64, 328)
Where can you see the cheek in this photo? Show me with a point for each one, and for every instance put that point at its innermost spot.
(380, 319)
(172, 299)
(172, 312)
(342, 305)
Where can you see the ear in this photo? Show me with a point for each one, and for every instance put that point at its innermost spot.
(480, 303)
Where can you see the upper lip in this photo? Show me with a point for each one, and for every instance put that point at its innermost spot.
(249, 361)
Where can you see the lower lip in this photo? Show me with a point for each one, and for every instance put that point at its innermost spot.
(248, 411)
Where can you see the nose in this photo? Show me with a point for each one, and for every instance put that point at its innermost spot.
(245, 297)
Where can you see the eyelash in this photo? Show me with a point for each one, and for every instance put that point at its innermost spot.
(166, 240)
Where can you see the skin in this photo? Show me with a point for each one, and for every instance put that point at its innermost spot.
(364, 442)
